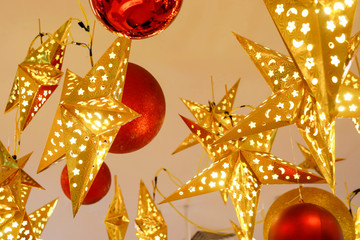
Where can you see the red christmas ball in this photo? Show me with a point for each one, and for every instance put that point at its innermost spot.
(305, 221)
(143, 94)
(134, 18)
(98, 189)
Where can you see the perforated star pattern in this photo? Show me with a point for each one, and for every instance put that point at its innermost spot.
(299, 96)
(149, 221)
(240, 173)
(38, 76)
(15, 187)
(117, 219)
(214, 117)
(317, 35)
(88, 118)
(33, 224)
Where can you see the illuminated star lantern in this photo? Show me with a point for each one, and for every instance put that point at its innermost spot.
(33, 224)
(117, 219)
(14, 179)
(241, 174)
(15, 187)
(215, 117)
(38, 76)
(309, 162)
(317, 35)
(88, 118)
(149, 221)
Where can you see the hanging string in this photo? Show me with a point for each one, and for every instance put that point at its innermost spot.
(201, 158)
(242, 106)
(41, 40)
(357, 64)
(17, 133)
(351, 197)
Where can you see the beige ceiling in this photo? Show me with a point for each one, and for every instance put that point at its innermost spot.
(198, 45)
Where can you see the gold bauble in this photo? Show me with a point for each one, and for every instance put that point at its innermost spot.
(316, 196)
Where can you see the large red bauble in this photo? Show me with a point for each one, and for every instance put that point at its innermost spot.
(305, 221)
(98, 189)
(136, 18)
(143, 94)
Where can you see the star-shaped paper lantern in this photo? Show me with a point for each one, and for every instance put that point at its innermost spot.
(309, 162)
(149, 221)
(214, 117)
(88, 118)
(15, 187)
(117, 219)
(38, 76)
(33, 224)
(12, 177)
(241, 173)
(291, 103)
(306, 86)
(317, 34)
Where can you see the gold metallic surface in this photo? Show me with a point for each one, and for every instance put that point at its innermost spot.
(149, 221)
(88, 118)
(38, 76)
(117, 219)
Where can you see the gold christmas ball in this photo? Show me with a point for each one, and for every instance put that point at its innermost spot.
(315, 196)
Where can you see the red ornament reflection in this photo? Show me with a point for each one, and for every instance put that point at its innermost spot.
(98, 189)
(143, 94)
(136, 18)
(305, 221)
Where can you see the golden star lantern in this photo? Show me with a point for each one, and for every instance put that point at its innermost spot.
(149, 221)
(117, 219)
(306, 86)
(38, 76)
(33, 224)
(88, 118)
(215, 117)
(12, 177)
(241, 173)
(15, 187)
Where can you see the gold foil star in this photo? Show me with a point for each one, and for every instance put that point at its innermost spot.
(117, 219)
(214, 117)
(38, 76)
(149, 221)
(33, 224)
(88, 118)
(14, 178)
(309, 162)
(317, 35)
(15, 187)
(291, 103)
(241, 173)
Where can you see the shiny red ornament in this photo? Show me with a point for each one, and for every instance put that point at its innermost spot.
(98, 189)
(136, 18)
(143, 94)
(305, 221)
